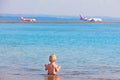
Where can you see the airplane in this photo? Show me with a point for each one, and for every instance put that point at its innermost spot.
(90, 19)
(27, 19)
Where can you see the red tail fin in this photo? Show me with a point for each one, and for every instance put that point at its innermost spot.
(81, 17)
(21, 18)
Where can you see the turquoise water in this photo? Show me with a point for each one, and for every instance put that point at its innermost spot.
(87, 50)
(53, 18)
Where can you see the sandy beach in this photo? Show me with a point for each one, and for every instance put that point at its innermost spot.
(14, 74)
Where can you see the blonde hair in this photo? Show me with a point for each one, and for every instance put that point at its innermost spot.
(52, 58)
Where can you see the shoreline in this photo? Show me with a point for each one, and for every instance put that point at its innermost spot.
(57, 22)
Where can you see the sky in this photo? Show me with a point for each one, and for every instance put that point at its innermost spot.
(109, 8)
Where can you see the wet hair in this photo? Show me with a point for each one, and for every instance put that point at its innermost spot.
(52, 58)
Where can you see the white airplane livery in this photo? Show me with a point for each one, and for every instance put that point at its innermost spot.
(90, 19)
(27, 19)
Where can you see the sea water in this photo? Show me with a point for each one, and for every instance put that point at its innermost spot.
(85, 51)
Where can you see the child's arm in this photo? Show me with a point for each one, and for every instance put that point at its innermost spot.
(57, 68)
(46, 66)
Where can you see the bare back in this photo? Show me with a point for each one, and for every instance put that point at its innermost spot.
(52, 68)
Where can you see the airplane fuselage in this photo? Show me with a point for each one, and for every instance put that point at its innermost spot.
(94, 19)
(90, 19)
(27, 19)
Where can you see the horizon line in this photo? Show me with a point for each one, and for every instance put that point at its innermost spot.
(54, 15)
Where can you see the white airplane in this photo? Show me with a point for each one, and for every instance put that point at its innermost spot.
(27, 19)
(90, 19)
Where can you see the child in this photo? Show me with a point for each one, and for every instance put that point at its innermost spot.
(52, 67)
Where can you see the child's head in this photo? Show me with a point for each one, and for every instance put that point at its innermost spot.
(52, 58)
